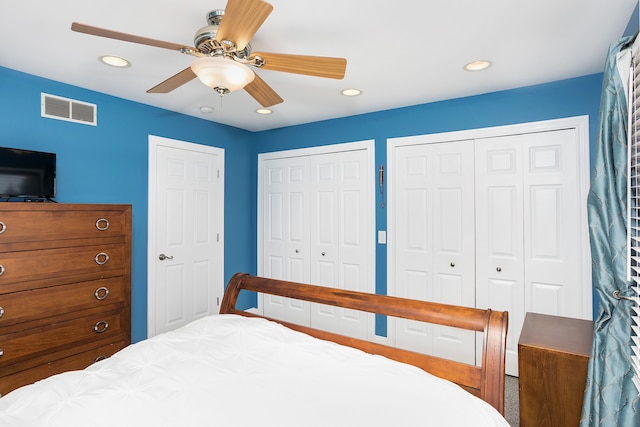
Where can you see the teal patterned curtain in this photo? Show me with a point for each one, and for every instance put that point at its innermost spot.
(611, 398)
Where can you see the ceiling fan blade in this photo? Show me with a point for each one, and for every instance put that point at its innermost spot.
(242, 18)
(319, 66)
(101, 32)
(174, 82)
(262, 92)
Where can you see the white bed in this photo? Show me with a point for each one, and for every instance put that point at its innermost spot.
(232, 370)
(240, 369)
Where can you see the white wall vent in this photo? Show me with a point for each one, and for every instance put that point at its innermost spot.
(56, 107)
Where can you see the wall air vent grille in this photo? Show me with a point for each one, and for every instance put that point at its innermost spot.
(71, 110)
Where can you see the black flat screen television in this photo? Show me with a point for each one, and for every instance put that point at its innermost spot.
(27, 174)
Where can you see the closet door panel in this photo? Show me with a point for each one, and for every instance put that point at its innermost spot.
(414, 241)
(434, 252)
(286, 241)
(550, 221)
(339, 236)
(454, 243)
(499, 233)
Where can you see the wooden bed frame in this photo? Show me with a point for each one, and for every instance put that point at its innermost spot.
(486, 381)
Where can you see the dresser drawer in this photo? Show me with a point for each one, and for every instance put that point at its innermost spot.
(103, 261)
(61, 222)
(82, 360)
(25, 306)
(46, 339)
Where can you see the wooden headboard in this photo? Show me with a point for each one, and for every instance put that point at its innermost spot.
(486, 381)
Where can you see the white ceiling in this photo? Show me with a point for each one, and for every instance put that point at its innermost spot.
(399, 52)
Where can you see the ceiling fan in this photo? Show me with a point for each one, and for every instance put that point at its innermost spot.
(223, 54)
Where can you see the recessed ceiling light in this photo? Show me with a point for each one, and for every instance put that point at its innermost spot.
(351, 92)
(114, 61)
(477, 65)
(264, 111)
(205, 109)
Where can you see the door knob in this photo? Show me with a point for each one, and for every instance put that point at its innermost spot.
(162, 257)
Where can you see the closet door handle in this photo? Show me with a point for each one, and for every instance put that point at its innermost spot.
(498, 269)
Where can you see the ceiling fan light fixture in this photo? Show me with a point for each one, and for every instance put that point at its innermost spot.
(222, 74)
(264, 111)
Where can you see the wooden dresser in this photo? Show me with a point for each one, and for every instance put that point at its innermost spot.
(553, 357)
(65, 287)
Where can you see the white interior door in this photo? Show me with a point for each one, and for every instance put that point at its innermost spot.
(186, 248)
(531, 231)
(317, 226)
(285, 227)
(500, 233)
(434, 241)
(528, 200)
(341, 236)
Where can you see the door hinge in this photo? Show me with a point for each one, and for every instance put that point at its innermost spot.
(217, 237)
(218, 301)
(218, 173)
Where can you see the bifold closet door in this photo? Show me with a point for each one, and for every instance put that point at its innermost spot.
(528, 228)
(341, 236)
(434, 251)
(318, 228)
(286, 233)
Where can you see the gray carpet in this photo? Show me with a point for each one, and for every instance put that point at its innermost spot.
(511, 401)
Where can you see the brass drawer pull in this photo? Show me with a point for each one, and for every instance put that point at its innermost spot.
(101, 293)
(1, 269)
(101, 258)
(101, 326)
(102, 224)
(1, 311)
(99, 358)
(1, 353)
(3, 227)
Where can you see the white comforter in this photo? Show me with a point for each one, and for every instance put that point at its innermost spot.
(229, 370)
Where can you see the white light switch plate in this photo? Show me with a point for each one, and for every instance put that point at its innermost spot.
(382, 237)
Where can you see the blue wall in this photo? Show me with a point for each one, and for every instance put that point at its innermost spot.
(108, 163)
(568, 98)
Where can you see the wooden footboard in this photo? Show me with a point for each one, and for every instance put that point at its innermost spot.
(486, 381)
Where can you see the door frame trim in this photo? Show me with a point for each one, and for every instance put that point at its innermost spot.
(581, 126)
(153, 143)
